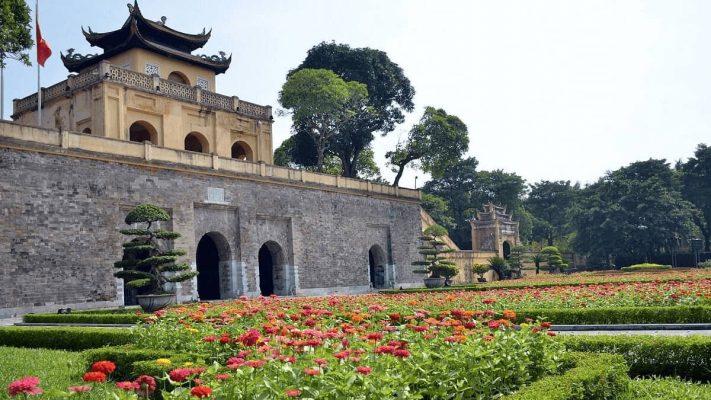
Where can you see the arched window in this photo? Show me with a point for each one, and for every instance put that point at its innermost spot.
(196, 142)
(178, 77)
(141, 131)
(242, 151)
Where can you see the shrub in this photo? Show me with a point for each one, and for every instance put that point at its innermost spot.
(63, 338)
(668, 389)
(645, 267)
(621, 315)
(434, 263)
(687, 357)
(591, 377)
(126, 356)
(82, 318)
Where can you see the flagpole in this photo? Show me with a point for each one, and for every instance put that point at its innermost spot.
(39, 88)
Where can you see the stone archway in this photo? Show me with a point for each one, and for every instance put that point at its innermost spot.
(178, 77)
(195, 141)
(242, 151)
(377, 262)
(506, 248)
(142, 131)
(211, 254)
(272, 270)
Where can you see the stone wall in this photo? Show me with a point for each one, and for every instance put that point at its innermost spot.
(61, 210)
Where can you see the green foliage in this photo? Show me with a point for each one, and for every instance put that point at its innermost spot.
(696, 188)
(146, 213)
(687, 357)
(54, 368)
(621, 315)
(389, 96)
(592, 377)
(550, 202)
(432, 250)
(516, 258)
(63, 338)
(438, 209)
(635, 211)
(553, 259)
(499, 264)
(480, 269)
(437, 141)
(645, 267)
(145, 261)
(668, 389)
(320, 102)
(125, 356)
(15, 31)
(83, 318)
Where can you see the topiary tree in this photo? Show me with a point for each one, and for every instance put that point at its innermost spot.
(499, 264)
(432, 250)
(537, 259)
(480, 270)
(516, 259)
(553, 259)
(145, 260)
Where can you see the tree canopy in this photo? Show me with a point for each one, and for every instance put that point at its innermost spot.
(437, 141)
(389, 96)
(321, 102)
(549, 203)
(697, 189)
(15, 31)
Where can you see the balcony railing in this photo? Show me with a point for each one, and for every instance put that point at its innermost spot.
(105, 72)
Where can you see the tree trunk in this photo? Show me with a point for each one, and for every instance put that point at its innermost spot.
(319, 158)
(399, 175)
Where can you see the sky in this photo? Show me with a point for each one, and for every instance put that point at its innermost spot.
(551, 90)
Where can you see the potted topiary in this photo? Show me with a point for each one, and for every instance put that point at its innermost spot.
(499, 264)
(438, 268)
(480, 269)
(554, 260)
(146, 261)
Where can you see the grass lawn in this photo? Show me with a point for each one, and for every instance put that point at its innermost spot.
(668, 389)
(55, 368)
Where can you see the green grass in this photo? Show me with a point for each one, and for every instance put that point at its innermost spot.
(668, 389)
(54, 368)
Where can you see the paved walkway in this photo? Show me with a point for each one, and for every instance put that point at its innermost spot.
(665, 332)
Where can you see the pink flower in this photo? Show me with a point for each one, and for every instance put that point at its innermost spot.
(402, 353)
(179, 374)
(222, 377)
(127, 385)
(293, 393)
(26, 385)
(146, 385)
(364, 370)
(311, 371)
(80, 389)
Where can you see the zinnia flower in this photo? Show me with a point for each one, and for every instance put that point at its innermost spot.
(146, 385)
(293, 393)
(26, 385)
(163, 361)
(364, 370)
(201, 391)
(80, 389)
(94, 376)
(402, 353)
(106, 367)
(311, 371)
(179, 374)
(127, 385)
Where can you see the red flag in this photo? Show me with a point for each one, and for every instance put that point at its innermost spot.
(43, 50)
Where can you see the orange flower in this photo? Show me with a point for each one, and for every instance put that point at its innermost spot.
(509, 314)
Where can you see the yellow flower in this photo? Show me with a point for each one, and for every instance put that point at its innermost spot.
(192, 330)
(524, 325)
(187, 364)
(163, 361)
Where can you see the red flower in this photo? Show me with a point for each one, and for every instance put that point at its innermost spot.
(311, 371)
(320, 361)
(364, 370)
(384, 350)
(179, 374)
(106, 367)
(402, 353)
(251, 337)
(201, 391)
(494, 324)
(94, 376)
(551, 333)
(209, 339)
(488, 301)
(488, 338)
(545, 325)
(293, 392)
(222, 377)
(26, 385)
(127, 385)
(80, 389)
(255, 363)
(146, 385)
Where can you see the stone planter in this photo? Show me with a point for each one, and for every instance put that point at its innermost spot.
(481, 280)
(154, 302)
(434, 282)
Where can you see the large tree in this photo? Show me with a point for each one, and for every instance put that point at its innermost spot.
(15, 31)
(321, 102)
(389, 96)
(697, 188)
(549, 202)
(636, 211)
(438, 140)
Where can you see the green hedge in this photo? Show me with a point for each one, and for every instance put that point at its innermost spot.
(62, 338)
(620, 315)
(125, 358)
(668, 389)
(645, 267)
(686, 357)
(590, 377)
(83, 318)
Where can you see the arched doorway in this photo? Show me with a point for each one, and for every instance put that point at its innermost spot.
(212, 251)
(377, 262)
(196, 142)
(272, 270)
(141, 131)
(178, 77)
(241, 151)
(507, 250)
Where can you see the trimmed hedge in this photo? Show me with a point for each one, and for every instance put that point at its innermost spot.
(62, 338)
(686, 357)
(125, 358)
(645, 267)
(83, 318)
(667, 389)
(620, 315)
(590, 377)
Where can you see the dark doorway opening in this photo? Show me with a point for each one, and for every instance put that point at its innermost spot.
(376, 262)
(507, 250)
(266, 271)
(208, 266)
